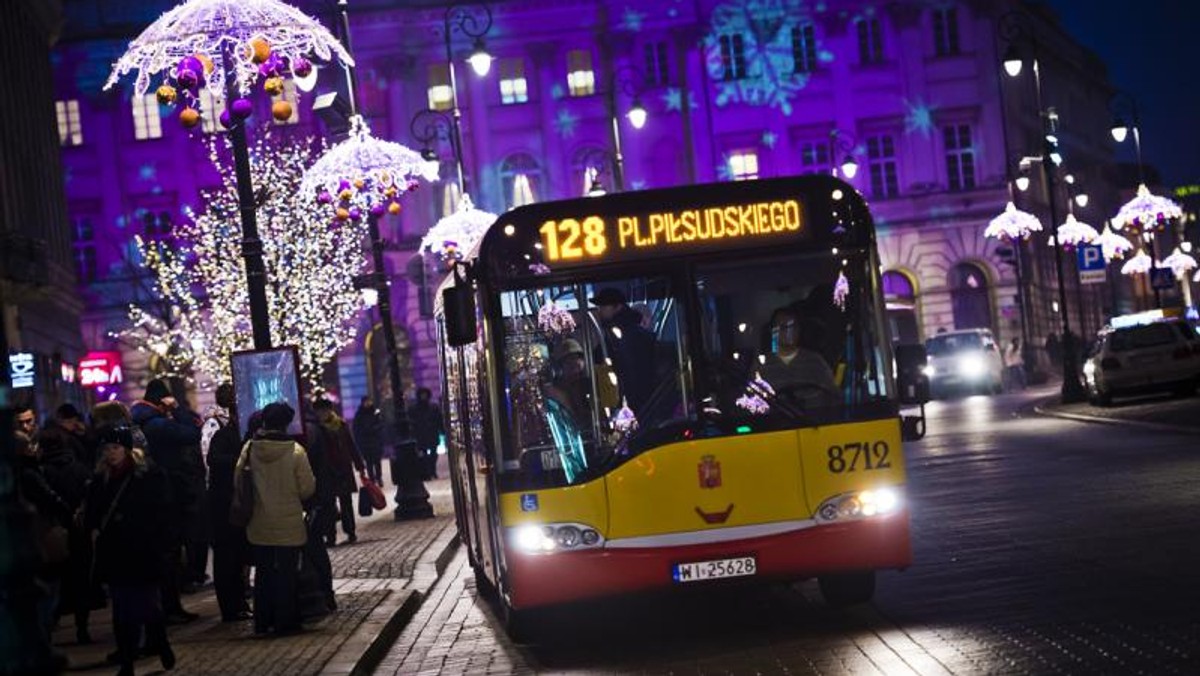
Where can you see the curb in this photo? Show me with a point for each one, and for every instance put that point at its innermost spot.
(391, 616)
(1043, 410)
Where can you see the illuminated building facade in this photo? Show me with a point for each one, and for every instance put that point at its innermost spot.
(735, 89)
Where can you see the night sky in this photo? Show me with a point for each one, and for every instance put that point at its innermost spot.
(1150, 48)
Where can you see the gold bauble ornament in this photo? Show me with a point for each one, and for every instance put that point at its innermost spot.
(359, 183)
(189, 117)
(260, 50)
(273, 86)
(166, 94)
(208, 63)
(281, 111)
(345, 195)
(342, 214)
(394, 208)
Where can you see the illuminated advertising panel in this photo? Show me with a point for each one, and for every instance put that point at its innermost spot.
(100, 369)
(262, 377)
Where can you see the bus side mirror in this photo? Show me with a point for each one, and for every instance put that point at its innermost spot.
(458, 302)
(910, 374)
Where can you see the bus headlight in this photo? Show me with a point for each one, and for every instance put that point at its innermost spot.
(555, 537)
(882, 501)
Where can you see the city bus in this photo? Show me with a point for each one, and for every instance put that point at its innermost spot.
(675, 388)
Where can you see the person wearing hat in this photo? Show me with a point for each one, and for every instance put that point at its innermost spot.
(126, 514)
(283, 480)
(568, 385)
(630, 346)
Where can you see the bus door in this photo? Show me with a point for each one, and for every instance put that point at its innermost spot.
(480, 461)
(459, 433)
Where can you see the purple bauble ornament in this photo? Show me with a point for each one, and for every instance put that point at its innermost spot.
(301, 67)
(355, 213)
(188, 79)
(378, 209)
(324, 197)
(225, 120)
(190, 63)
(242, 108)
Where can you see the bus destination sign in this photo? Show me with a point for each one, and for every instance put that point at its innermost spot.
(596, 238)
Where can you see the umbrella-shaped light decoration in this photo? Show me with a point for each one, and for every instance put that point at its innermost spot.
(1179, 262)
(456, 235)
(1140, 264)
(1012, 224)
(1112, 245)
(365, 173)
(201, 43)
(1146, 210)
(1072, 233)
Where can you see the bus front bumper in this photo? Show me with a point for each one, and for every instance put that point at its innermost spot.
(562, 577)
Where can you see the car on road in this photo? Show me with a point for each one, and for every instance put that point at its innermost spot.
(1146, 354)
(967, 360)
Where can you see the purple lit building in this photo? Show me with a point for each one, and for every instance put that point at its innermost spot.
(735, 89)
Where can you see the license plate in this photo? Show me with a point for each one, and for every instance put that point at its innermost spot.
(710, 570)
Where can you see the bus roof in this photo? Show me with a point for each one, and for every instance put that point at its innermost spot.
(807, 212)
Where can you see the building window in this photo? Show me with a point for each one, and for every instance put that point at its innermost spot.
(945, 31)
(960, 156)
(743, 165)
(513, 87)
(658, 70)
(581, 79)
(970, 300)
(211, 107)
(804, 48)
(70, 130)
(85, 249)
(870, 41)
(146, 122)
(881, 159)
(814, 157)
(520, 179)
(733, 56)
(156, 223)
(440, 95)
(288, 94)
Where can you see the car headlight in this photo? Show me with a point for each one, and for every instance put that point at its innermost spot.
(1089, 368)
(882, 501)
(554, 537)
(972, 365)
(928, 370)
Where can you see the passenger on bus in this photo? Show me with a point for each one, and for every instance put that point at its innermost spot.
(630, 345)
(569, 384)
(795, 369)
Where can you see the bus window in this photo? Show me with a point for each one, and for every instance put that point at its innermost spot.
(588, 369)
(791, 340)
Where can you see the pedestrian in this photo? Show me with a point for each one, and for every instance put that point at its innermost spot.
(69, 419)
(427, 428)
(126, 515)
(173, 443)
(330, 437)
(368, 435)
(51, 518)
(1053, 349)
(1014, 365)
(230, 551)
(282, 480)
(25, 421)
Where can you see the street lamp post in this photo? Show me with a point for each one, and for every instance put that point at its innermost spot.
(1126, 123)
(842, 142)
(473, 20)
(625, 77)
(1014, 28)
(594, 162)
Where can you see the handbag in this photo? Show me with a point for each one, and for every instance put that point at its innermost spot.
(241, 508)
(53, 541)
(378, 500)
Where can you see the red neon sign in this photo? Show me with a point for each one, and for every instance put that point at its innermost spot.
(100, 368)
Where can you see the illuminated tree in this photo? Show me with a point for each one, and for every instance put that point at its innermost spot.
(311, 263)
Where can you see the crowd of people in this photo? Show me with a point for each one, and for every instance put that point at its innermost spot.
(129, 503)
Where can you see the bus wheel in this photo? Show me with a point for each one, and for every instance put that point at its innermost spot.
(847, 589)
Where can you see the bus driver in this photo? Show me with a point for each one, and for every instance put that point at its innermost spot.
(796, 371)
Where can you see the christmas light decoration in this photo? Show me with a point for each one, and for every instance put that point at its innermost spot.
(1179, 262)
(1073, 233)
(1013, 224)
(841, 289)
(1146, 210)
(1112, 245)
(1140, 264)
(311, 299)
(553, 319)
(455, 236)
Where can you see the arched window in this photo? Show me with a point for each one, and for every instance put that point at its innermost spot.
(970, 298)
(520, 179)
(901, 298)
(591, 165)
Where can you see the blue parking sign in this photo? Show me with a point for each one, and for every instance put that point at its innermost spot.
(1090, 260)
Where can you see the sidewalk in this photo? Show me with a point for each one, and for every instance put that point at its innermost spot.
(380, 582)
(1152, 412)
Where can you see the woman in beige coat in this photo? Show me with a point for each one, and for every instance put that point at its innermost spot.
(283, 479)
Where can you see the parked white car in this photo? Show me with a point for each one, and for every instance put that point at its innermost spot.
(967, 360)
(1145, 356)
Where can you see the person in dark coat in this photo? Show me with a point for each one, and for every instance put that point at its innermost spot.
(368, 435)
(127, 516)
(630, 346)
(427, 429)
(229, 547)
(50, 512)
(173, 444)
(68, 418)
(68, 477)
(330, 438)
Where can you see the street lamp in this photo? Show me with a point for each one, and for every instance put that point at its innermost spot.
(595, 163)
(473, 20)
(626, 78)
(1014, 28)
(427, 127)
(1124, 107)
(843, 142)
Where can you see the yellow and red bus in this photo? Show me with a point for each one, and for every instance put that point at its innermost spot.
(676, 387)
